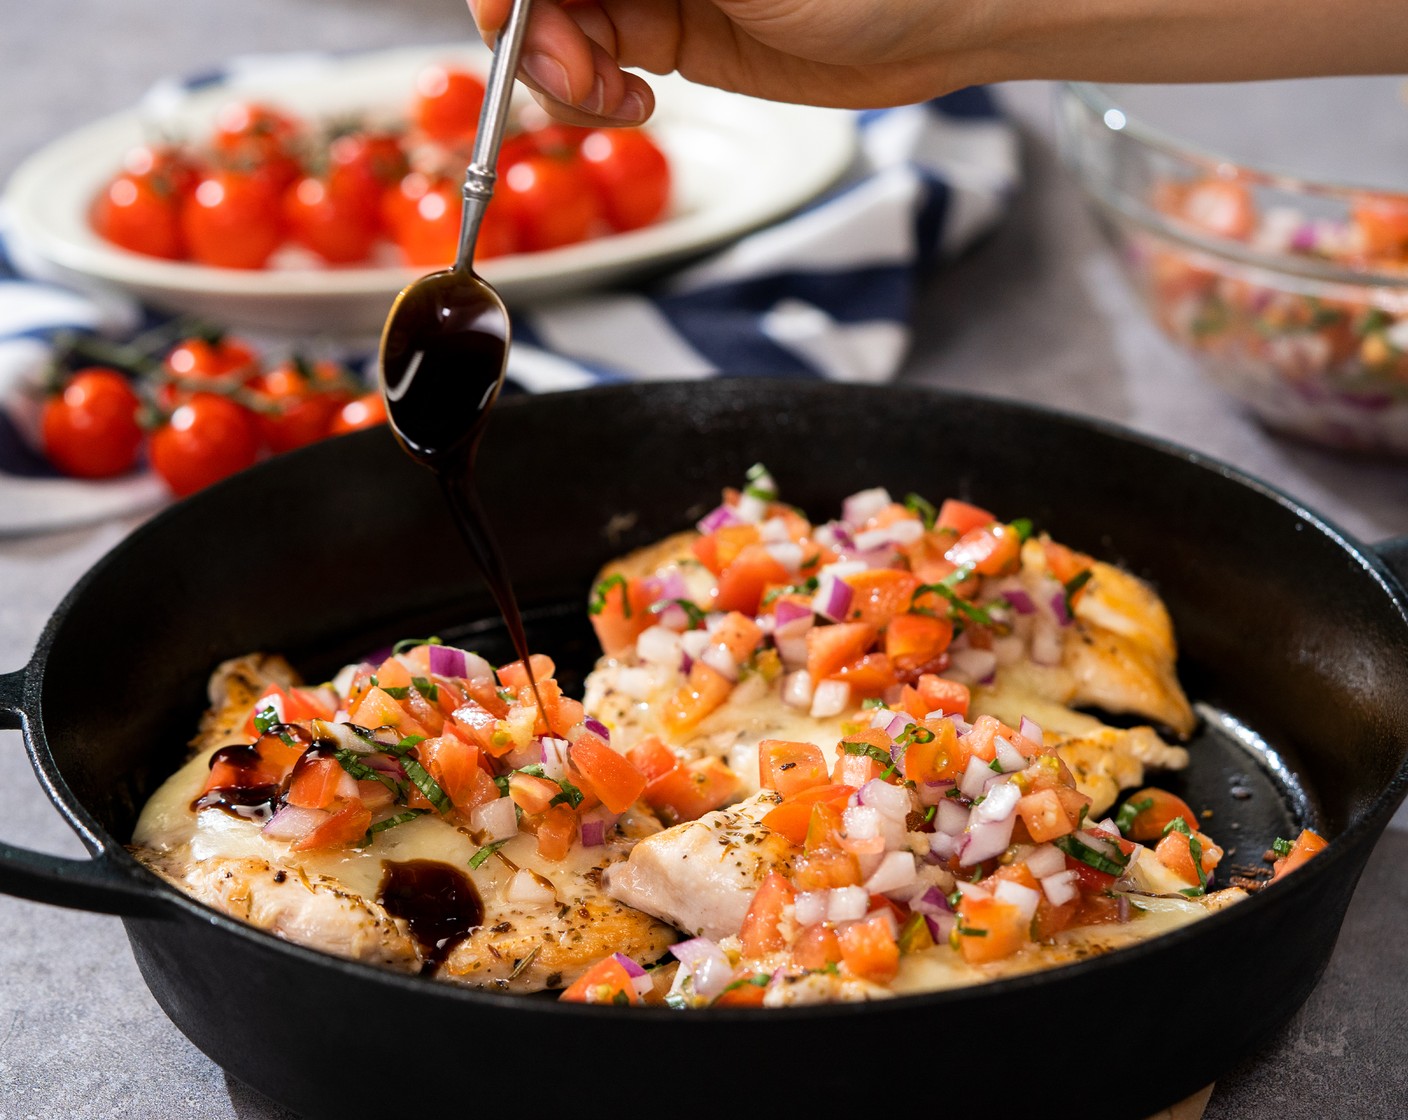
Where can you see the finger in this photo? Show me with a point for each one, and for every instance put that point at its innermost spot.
(569, 66)
(637, 104)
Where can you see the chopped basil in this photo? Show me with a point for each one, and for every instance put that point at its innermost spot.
(426, 784)
(914, 733)
(409, 741)
(1282, 847)
(954, 898)
(872, 702)
(995, 765)
(410, 643)
(621, 999)
(265, 719)
(399, 692)
(390, 822)
(929, 813)
(1195, 849)
(757, 980)
(597, 603)
(1023, 528)
(364, 773)
(677, 1002)
(507, 695)
(570, 795)
(476, 861)
(879, 754)
(1178, 824)
(761, 485)
(1091, 857)
(1124, 821)
(969, 931)
(957, 604)
(691, 609)
(373, 681)
(1074, 584)
(430, 691)
(917, 503)
(806, 587)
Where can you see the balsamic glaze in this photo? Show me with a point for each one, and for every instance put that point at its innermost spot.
(442, 357)
(437, 901)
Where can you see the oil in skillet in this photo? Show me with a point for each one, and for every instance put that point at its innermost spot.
(437, 901)
(442, 360)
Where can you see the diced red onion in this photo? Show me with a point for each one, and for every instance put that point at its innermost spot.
(1046, 643)
(637, 682)
(950, 817)
(293, 822)
(1109, 827)
(940, 926)
(833, 598)
(720, 518)
(1014, 894)
(847, 904)
(597, 728)
(718, 658)
(751, 509)
(774, 531)
(896, 871)
(345, 737)
(861, 822)
(447, 661)
(975, 778)
(786, 553)
(1020, 600)
(830, 698)
(1061, 887)
(703, 963)
(973, 891)
(674, 618)
(906, 532)
(972, 664)
(694, 643)
(861, 506)
(1046, 859)
(1008, 649)
(497, 819)
(987, 839)
(933, 793)
(809, 907)
(1009, 757)
(789, 613)
(671, 585)
(797, 689)
(792, 648)
(891, 723)
(944, 846)
(892, 801)
(520, 757)
(1101, 843)
(554, 758)
(342, 682)
(529, 888)
(596, 825)
(999, 804)
(659, 645)
(1032, 732)
(1059, 609)
(386, 764)
(930, 900)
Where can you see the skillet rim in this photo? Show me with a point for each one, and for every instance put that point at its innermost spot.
(163, 896)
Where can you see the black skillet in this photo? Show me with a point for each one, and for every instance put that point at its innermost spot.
(1293, 637)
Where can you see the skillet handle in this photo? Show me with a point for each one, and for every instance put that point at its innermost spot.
(100, 884)
(1394, 553)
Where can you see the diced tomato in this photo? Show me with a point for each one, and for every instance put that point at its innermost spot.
(830, 648)
(982, 739)
(652, 757)
(1044, 816)
(374, 795)
(610, 775)
(689, 791)
(343, 826)
(823, 868)
(1221, 207)
(720, 549)
(1065, 563)
(423, 711)
(940, 759)
(745, 995)
(870, 675)
(378, 709)
(514, 676)
(454, 764)
(1307, 844)
(607, 981)
(915, 642)
(989, 930)
(991, 551)
(392, 674)
(962, 517)
(484, 691)
(276, 758)
(879, 594)
(292, 704)
(869, 949)
(762, 931)
(816, 948)
(1050, 920)
(621, 614)
(739, 634)
(742, 582)
(702, 692)
(794, 815)
(1148, 824)
(1175, 852)
(790, 767)
(532, 795)
(854, 770)
(557, 828)
(940, 694)
(1383, 225)
(478, 726)
(315, 783)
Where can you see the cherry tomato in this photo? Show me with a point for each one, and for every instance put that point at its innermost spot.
(208, 438)
(362, 165)
(551, 201)
(257, 139)
(133, 212)
(631, 175)
(195, 364)
(365, 412)
(428, 229)
(232, 220)
(338, 226)
(447, 103)
(301, 403)
(167, 164)
(90, 430)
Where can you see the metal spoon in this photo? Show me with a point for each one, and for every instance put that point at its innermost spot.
(444, 348)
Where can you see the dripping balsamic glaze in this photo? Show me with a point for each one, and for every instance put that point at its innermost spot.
(441, 359)
(250, 796)
(437, 901)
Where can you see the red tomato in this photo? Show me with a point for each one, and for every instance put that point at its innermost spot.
(232, 220)
(301, 403)
(339, 227)
(447, 103)
(208, 438)
(551, 200)
(631, 176)
(762, 931)
(1159, 808)
(258, 139)
(90, 430)
(362, 165)
(226, 357)
(136, 213)
(365, 412)
(424, 218)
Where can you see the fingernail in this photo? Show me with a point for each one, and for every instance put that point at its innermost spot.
(549, 75)
(596, 100)
(632, 108)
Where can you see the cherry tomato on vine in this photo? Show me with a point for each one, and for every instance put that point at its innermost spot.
(232, 220)
(224, 364)
(208, 438)
(258, 139)
(427, 227)
(133, 212)
(631, 176)
(366, 411)
(90, 430)
(362, 165)
(300, 402)
(339, 227)
(447, 103)
(551, 201)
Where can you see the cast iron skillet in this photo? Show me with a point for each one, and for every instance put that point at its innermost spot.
(1293, 638)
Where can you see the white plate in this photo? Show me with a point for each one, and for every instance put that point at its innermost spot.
(738, 164)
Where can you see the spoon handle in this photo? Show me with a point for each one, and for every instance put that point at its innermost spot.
(493, 116)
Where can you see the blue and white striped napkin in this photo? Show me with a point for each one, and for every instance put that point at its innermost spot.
(824, 293)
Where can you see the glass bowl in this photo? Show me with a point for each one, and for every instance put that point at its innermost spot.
(1265, 226)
